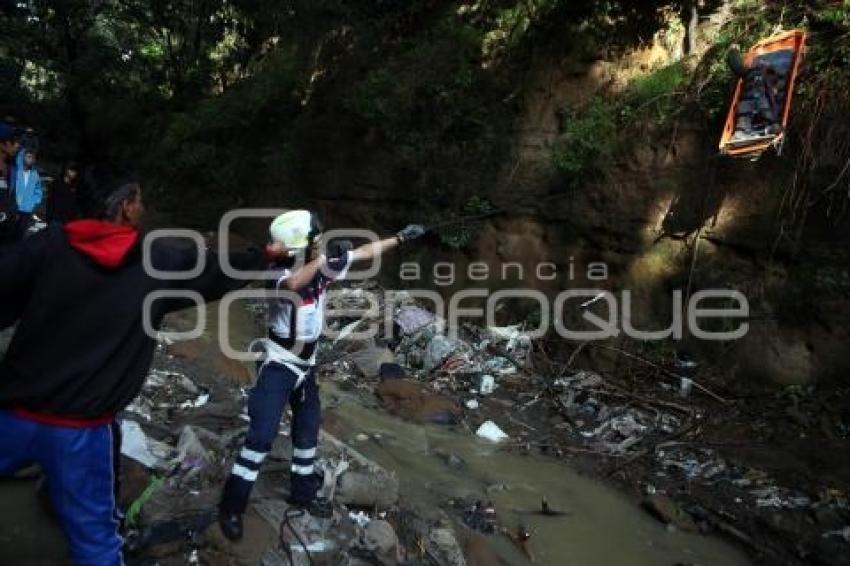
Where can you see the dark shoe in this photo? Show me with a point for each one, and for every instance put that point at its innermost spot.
(231, 525)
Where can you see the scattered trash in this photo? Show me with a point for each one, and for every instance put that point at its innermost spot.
(438, 350)
(490, 431)
(843, 533)
(360, 518)
(412, 318)
(135, 509)
(147, 451)
(472, 404)
(774, 496)
(200, 401)
(685, 386)
(480, 516)
(190, 450)
(486, 384)
(702, 464)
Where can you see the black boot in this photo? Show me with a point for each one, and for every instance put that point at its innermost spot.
(231, 525)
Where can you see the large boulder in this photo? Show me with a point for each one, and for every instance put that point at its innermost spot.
(414, 402)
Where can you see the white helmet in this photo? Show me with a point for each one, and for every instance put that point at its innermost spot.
(295, 229)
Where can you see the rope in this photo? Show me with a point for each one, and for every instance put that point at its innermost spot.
(292, 513)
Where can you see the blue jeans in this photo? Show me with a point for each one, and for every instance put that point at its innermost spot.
(275, 387)
(78, 464)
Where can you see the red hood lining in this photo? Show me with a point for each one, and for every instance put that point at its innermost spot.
(104, 242)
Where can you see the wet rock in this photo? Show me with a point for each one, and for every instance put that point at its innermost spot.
(207, 356)
(442, 542)
(412, 401)
(377, 543)
(369, 360)
(668, 511)
(453, 461)
(161, 506)
(375, 488)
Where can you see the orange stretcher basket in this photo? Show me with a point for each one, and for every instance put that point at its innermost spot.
(777, 48)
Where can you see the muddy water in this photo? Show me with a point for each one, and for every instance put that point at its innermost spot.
(600, 527)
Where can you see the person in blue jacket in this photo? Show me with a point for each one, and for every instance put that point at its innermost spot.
(27, 190)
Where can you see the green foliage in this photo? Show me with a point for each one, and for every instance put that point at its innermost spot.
(655, 94)
(212, 144)
(589, 139)
(476, 205)
(426, 84)
(456, 237)
(462, 231)
(373, 96)
(592, 133)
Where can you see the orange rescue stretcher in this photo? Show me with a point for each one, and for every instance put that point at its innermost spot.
(781, 53)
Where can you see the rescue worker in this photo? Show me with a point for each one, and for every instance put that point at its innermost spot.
(286, 372)
(80, 353)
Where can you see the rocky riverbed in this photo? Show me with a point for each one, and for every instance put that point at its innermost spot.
(487, 448)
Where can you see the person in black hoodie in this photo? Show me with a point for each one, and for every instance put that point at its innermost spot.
(80, 353)
(62, 198)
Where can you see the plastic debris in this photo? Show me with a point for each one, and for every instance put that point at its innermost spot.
(439, 348)
(360, 518)
(774, 496)
(136, 445)
(514, 337)
(200, 401)
(843, 533)
(472, 404)
(191, 452)
(135, 509)
(685, 386)
(346, 331)
(481, 517)
(486, 384)
(412, 318)
(491, 431)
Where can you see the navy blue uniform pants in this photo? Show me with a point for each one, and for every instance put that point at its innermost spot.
(275, 387)
(79, 466)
